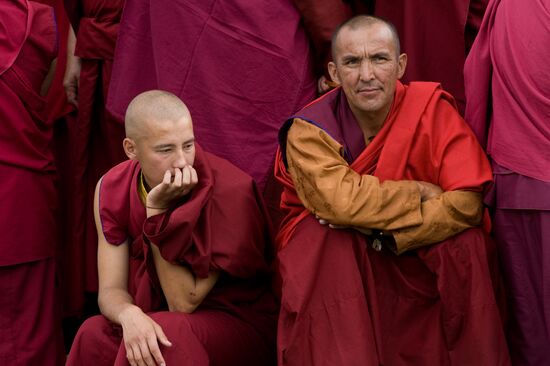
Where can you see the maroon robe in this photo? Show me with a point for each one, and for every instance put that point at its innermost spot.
(94, 143)
(435, 34)
(61, 114)
(344, 303)
(222, 226)
(29, 324)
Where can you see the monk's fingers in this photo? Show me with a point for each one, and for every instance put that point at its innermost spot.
(186, 176)
(155, 351)
(161, 336)
(138, 357)
(194, 176)
(167, 179)
(146, 351)
(130, 355)
(178, 178)
(323, 222)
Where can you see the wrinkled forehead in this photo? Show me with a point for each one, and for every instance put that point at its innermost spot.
(375, 37)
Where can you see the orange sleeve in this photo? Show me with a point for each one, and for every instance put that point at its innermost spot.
(330, 189)
(442, 217)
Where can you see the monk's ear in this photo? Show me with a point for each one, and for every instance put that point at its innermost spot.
(401, 65)
(130, 148)
(333, 72)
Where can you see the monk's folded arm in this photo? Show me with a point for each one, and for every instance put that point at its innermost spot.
(183, 291)
(444, 216)
(330, 189)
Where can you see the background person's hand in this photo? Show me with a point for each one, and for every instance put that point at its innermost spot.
(71, 80)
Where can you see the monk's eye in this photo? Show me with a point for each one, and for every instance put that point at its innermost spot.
(379, 59)
(351, 61)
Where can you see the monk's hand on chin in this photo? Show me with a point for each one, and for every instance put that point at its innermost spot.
(428, 190)
(171, 189)
(332, 226)
(142, 336)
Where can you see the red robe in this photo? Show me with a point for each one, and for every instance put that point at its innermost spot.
(95, 142)
(222, 226)
(30, 330)
(346, 304)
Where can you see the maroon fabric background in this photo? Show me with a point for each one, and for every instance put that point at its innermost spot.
(241, 67)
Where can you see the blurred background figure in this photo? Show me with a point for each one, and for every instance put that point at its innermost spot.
(508, 107)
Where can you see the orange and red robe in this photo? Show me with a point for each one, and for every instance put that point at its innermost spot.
(221, 226)
(344, 303)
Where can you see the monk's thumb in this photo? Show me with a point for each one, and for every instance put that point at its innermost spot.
(162, 337)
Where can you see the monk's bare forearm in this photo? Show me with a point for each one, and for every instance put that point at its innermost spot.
(114, 302)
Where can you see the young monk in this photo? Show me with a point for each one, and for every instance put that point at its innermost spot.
(182, 252)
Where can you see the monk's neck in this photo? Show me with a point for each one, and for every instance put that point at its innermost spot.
(371, 122)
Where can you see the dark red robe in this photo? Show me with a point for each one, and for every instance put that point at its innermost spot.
(346, 304)
(29, 325)
(95, 142)
(222, 226)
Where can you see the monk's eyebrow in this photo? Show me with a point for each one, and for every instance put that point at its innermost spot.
(381, 54)
(163, 146)
(350, 58)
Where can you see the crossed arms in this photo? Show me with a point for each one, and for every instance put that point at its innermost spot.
(331, 190)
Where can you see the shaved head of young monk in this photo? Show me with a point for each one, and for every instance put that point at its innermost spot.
(159, 134)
